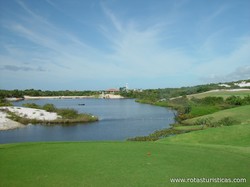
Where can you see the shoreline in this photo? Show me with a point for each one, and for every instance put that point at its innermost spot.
(105, 96)
(8, 124)
(56, 97)
(30, 113)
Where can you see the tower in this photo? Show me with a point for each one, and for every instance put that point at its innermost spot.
(126, 86)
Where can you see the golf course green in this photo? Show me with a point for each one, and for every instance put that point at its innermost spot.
(200, 154)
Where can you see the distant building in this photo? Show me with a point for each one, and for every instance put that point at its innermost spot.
(112, 90)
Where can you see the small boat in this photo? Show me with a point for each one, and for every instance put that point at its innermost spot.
(82, 104)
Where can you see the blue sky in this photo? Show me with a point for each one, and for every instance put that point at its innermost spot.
(90, 44)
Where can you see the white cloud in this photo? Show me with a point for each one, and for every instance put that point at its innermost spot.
(240, 73)
(226, 63)
(141, 50)
(21, 68)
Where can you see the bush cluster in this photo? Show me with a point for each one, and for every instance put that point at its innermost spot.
(156, 135)
(236, 100)
(208, 100)
(68, 113)
(197, 107)
(210, 122)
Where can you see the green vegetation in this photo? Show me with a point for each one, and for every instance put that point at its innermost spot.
(227, 117)
(118, 164)
(32, 105)
(236, 135)
(32, 92)
(241, 114)
(198, 112)
(158, 134)
(154, 95)
(189, 128)
(3, 102)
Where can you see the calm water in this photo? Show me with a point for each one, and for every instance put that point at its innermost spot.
(118, 120)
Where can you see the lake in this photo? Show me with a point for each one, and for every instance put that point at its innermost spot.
(119, 119)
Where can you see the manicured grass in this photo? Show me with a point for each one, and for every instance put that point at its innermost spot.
(221, 93)
(117, 164)
(236, 135)
(241, 114)
(200, 110)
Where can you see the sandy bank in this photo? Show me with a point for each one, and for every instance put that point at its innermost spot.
(6, 124)
(57, 97)
(106, 96)
(111, 96)
(30, 113)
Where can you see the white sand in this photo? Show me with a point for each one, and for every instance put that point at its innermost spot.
(6, 124)
(57, 97)
(107, 96)
(111, 96)
(30, 113)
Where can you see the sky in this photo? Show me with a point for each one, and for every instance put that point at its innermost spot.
(101, 44)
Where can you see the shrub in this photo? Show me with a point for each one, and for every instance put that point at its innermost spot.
(234, 100)
(31, 105)
(49, 107)
(212, 100)
(227, 121)
(143, 138)
(158, 134)
(205, 121)
(246, 100)
(3, 102)
(68, 113)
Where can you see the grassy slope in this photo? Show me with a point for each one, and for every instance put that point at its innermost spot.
(223, 94)
(241, 114)
(236, 135)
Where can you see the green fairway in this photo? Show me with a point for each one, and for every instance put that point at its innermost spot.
(236, 135)
(221, 93)
(241, 114)
(117, 164)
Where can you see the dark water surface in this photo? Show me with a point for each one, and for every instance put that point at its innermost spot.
(119, 119)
